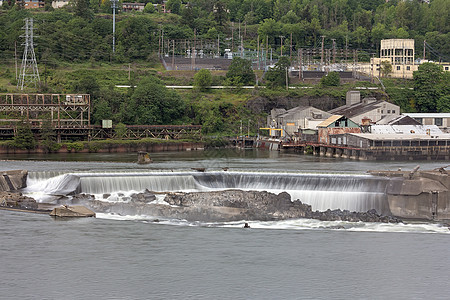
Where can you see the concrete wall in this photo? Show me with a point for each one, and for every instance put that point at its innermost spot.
(425, 196)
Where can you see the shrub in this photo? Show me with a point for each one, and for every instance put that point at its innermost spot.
(331, 79)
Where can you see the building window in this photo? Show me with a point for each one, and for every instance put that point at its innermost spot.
(408, 68)
(420, 120)
(389, 111)
(438, 121)
(393, 111)
(398, 68)
(446, 68)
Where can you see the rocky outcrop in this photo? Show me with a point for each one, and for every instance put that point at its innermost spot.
(71, 212)
(17, 200)
(13, 180)
(229, 205)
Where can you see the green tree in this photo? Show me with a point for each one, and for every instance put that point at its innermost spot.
(202, 79)
(443, 104)
(360, 36)
(269, 28)
(149, 8)
(378, 33)
(241, 70)
(331, 79)
(101, 111)
(87, 84)
(23, 137)
(48, 136)
(136, 37)
(174, 6)
(427, 86)
(385, 68)
(220, 12)
(120, 130)
(276, 76)
(82, 9)
(152, 103)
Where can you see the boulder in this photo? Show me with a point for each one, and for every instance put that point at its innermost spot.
(17, 200)
(72, 211)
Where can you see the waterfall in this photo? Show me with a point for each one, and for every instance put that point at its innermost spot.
(321, 191)
(58, 185)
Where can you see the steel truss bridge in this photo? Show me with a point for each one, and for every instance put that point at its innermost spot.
(68, 115)
(168, 132)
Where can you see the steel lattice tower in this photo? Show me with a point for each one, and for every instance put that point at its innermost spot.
(29, 73)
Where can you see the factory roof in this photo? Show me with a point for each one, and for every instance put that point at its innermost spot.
(428, 115)
(357, 109)
(406, 129)
(371, 136)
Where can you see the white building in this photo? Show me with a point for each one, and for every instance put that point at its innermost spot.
(367, 110)
(441, 120)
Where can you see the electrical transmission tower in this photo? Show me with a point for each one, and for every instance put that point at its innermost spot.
(29, 73)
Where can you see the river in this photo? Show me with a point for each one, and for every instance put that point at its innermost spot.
(131, 257)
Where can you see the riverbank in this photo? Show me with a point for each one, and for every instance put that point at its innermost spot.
(109, 146)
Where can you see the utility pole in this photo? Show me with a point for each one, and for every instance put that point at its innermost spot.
(114, 6)
(287, 79)
(159, 44)
(300, 66)
(218, 46)
(173, 54)
(193, 51)
(321, 55)
(354, 63)
(424, 43)
(281, 44)
(232, 38)
(239, 31)
(15, 56)
(334, 50)
(346, 49)
(257, 52)
(162, 42)
(29, 72)
(371, 74)
(290, 51)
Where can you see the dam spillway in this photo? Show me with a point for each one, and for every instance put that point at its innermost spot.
(322, 191)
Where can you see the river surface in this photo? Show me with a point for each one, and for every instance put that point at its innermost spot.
(131, 257)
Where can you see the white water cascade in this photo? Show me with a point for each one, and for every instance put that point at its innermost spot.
(321, 191)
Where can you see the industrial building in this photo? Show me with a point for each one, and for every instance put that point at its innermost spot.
(336, 125)
(367, 110)
(292, 121)
(441, 120)
(401, 55)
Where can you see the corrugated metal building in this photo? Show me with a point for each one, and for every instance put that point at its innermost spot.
(336, 125)
(294, 120)
(441, 120)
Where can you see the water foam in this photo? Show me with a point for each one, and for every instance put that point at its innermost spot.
(296, 224)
